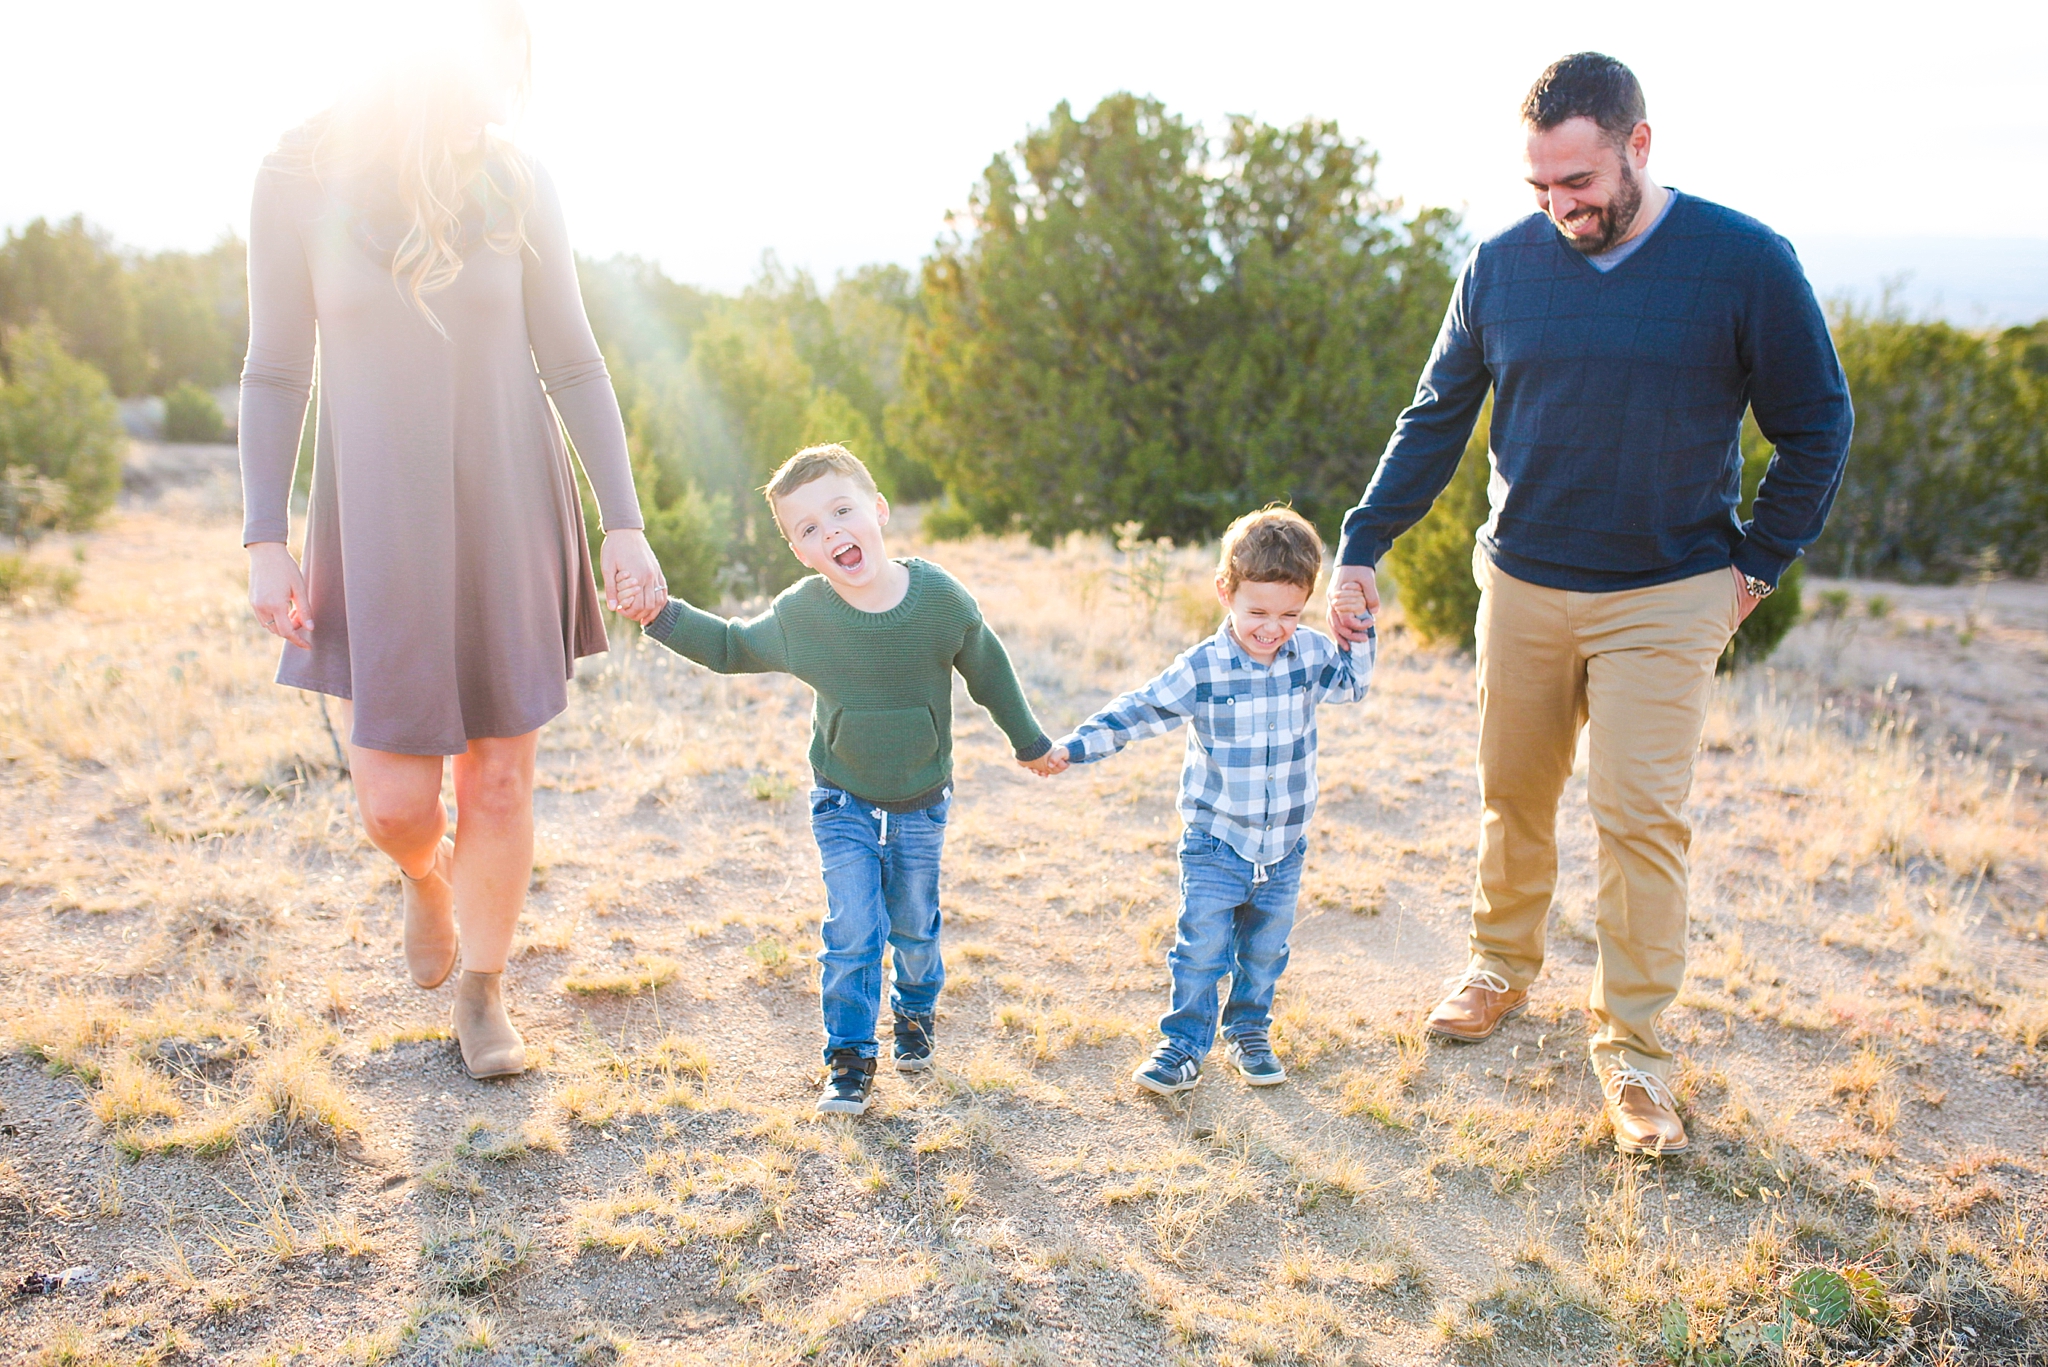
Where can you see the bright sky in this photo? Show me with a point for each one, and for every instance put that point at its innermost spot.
(837, 134)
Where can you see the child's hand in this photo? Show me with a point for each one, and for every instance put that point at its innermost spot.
(1052, 762)
(625, 598)
(1349, 601)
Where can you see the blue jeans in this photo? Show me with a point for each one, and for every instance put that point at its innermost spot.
(1229, 923)
(881, 887)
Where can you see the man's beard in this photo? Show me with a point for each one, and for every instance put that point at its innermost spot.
(1615, 218)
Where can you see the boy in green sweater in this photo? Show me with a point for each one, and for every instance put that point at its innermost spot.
(878, 641)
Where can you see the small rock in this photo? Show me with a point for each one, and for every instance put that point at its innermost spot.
(42, 1283)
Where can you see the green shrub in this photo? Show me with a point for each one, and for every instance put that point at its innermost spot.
(58, 419)
(1432, 562)
(190, 414)
(688, 538)
(32, 585)
(30, 504)
(1950, 456)
(946, 521)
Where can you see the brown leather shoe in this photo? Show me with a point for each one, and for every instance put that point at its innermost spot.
(430, 945)
(1479, 1001)
(1643, 1112)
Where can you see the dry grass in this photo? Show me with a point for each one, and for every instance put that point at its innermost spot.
(649, 971)
(265, 1124)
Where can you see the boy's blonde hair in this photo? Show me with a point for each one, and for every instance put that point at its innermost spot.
(1274, 545)
(811, 463)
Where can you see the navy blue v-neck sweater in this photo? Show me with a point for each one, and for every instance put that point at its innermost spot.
(1618, 401)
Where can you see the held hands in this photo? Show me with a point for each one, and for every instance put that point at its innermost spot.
(277, 594)
(633, 585)
(1354, 598)
(1053, 761)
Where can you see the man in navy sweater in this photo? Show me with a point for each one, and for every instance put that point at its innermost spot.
(1623, 329)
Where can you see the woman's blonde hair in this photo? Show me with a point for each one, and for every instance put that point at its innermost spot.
(407, 128)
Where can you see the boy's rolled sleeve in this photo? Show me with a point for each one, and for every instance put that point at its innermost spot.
(1153, 710)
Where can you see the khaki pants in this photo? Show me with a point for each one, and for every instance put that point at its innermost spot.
(1637, 667)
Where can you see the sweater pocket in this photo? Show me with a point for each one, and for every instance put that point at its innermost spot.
(884, 740)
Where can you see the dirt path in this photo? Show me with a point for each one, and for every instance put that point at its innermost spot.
(225, 1101)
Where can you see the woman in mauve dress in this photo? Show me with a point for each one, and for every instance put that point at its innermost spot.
(447, 590)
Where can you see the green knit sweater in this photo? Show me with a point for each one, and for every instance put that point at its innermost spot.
(882, 728)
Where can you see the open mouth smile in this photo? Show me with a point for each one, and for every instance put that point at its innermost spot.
(850, 557)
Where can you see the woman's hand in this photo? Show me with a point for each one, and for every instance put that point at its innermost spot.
(632, 578)
(277, 593)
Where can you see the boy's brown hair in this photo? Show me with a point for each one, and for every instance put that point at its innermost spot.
(815, 462)
(1274, 545)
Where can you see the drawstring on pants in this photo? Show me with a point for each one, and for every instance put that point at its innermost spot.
(1259, 873)
(884, 817)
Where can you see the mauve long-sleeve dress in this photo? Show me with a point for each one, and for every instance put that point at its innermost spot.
(446, 565)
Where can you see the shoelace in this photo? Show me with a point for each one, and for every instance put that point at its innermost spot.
(1485, 977)
(1626, 1076)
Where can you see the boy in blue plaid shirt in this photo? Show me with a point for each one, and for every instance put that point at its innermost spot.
(1247, 787)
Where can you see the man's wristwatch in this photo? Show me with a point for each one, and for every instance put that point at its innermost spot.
(1757, 587)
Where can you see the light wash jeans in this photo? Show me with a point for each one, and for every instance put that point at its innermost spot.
(881, 887)
(1230, 922)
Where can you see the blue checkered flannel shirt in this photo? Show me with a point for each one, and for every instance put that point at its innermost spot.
(1249, 778)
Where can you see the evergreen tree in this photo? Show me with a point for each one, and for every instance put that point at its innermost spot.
(58, 421)
(1143, 323)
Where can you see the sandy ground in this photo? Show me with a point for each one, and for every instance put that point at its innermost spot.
(1969, 661)
(223, 1099)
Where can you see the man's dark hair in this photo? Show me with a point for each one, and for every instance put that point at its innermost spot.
(1586, 85)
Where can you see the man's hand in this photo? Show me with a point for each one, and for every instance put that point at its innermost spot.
(1053, 761)
(1749, 600)
(277, 593)
(1348, 578)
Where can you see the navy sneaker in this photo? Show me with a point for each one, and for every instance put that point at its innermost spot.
(1171, 1069)
(915, 1036)
(852, 1079)
(1251, 1053)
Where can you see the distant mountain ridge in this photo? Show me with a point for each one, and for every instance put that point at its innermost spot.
(1971, 282)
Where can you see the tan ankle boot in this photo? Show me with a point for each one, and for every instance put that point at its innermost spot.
(430, 945)
(490, 1046)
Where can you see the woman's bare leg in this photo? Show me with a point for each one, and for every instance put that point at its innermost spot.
(400, 799)
(493, 845)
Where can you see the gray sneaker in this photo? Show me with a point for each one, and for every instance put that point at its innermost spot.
(1251, 1053)
(915, 1036)
(850, 1078)
(1171, 1069)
